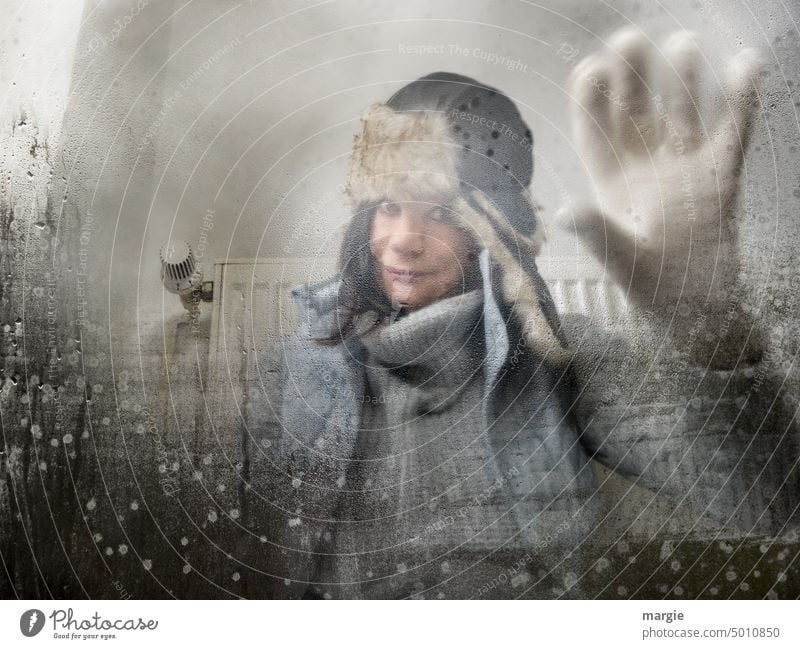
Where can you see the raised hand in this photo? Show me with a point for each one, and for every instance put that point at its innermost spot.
(665, 177)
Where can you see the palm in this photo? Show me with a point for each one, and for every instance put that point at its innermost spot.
(665, 181)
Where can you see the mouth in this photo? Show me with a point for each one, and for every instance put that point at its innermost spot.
(404, 274)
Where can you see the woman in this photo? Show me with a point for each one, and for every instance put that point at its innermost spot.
(430, 445)
(430, 416)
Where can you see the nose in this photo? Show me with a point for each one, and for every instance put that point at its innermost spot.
(407, 238)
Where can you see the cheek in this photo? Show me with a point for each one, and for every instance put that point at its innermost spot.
(452, 248)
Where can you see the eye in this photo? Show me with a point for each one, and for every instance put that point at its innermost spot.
(389, 208)
(440, 215)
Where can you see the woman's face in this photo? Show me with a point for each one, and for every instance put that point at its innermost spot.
(422, 255)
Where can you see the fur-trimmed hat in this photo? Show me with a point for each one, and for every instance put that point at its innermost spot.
(449, 139)
(443, 135)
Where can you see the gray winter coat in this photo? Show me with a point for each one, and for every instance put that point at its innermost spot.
(543, 456)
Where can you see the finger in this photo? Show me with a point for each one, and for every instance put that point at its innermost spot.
(591, 117)
(631, 109)
(517, 290)
(734, 127)
(683, 58)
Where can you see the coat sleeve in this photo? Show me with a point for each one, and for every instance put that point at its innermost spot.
(299, 445)
(720, 446)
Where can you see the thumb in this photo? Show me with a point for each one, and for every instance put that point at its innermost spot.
(611, 244)
(734, 128)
